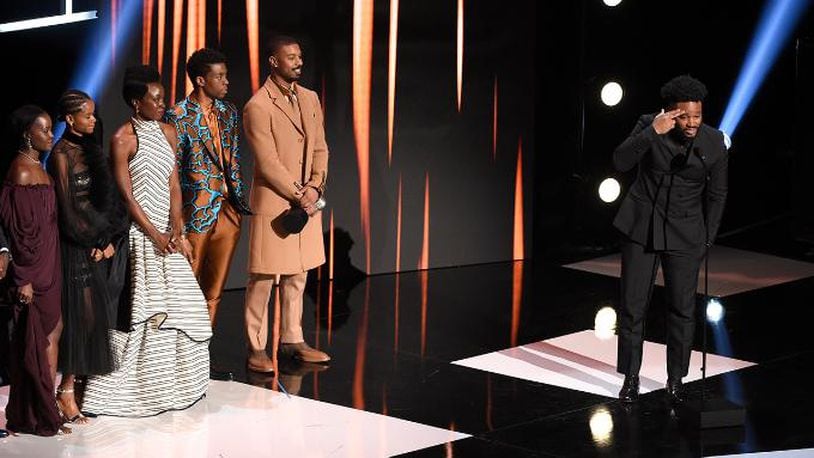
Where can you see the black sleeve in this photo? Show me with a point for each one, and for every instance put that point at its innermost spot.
(630, 152)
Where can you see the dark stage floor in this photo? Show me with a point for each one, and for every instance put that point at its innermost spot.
(393, 338)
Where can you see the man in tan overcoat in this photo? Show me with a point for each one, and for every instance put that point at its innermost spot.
(283, 124)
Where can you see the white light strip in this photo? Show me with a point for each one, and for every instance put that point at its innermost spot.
(47, 21)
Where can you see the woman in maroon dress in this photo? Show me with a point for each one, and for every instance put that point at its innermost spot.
(28, 214)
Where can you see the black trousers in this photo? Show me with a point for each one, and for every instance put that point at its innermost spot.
(680, 269)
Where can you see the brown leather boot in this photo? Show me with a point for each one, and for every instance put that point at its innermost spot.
(303, 352)
(259, 361)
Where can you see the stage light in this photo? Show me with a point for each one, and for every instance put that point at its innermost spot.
(609, 190)
(67, 17)
(611, 93)
(776, 25)
(715, 311)
(605, 323)
(601, 424)
(611, 3)
(727, 140)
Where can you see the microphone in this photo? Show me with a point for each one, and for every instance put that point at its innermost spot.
(697, 151)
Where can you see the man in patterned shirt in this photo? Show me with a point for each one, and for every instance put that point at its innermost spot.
(212, 186)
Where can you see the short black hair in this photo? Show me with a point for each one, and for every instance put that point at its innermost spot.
(136, 79)
(21, 119)
(278, 41)
(683, 88)
(199, 62)
(71, 102)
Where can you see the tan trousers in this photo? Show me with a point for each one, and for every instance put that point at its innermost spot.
(213, 251)
(258, 293)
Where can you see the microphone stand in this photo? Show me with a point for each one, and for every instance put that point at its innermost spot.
(715, 412)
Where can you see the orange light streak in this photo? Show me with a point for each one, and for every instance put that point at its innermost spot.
(517, 300)
(220, 19)
(448, 445)
(361, 354)
(162, 23)
(177, 19)
(424, 279)
(494, 121)
(391, 76)
(519, 252)
(253, 31)
(330, 310)
(362, 73)
(331, 248)
(460, 60)
(201, 25)
(114, 19)
(147, 31)
(318, 310)
(192, 36)
(424, 260)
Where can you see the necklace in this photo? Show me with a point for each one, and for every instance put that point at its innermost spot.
(29, 156)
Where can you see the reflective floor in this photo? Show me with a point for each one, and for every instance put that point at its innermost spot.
(394, 339)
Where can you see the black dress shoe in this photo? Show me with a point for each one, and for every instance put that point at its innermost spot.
(675, 391)
(3, 433)
(630, 389)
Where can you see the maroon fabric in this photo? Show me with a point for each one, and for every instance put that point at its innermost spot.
(28, 213)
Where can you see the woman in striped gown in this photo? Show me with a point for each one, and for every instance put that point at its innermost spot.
(162, 361)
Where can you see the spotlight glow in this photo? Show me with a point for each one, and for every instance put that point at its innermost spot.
(776, 25)
(611, 93)
(605, 323)
(611, 3)
(609, 190)
(727, 140)
(715, 311)
(601, 424)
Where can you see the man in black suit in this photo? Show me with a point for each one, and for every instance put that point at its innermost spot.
(670, 215)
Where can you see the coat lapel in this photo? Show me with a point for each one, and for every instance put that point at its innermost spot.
(280, 101)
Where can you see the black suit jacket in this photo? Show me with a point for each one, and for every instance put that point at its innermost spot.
(664, 208)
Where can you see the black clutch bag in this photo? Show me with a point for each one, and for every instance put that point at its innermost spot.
(292, 221)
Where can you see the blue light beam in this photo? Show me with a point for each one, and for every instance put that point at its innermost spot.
(96, 65)
(776, 25)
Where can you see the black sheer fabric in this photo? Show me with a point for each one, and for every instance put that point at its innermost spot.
(89, 217)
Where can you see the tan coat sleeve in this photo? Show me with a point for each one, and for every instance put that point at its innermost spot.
(319, 169)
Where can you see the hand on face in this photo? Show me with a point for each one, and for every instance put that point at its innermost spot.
(665, 121)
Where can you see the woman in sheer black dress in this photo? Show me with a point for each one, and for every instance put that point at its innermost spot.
(89, 231)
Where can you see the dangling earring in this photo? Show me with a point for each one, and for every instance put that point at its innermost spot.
(136, 110)
(27, 143)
